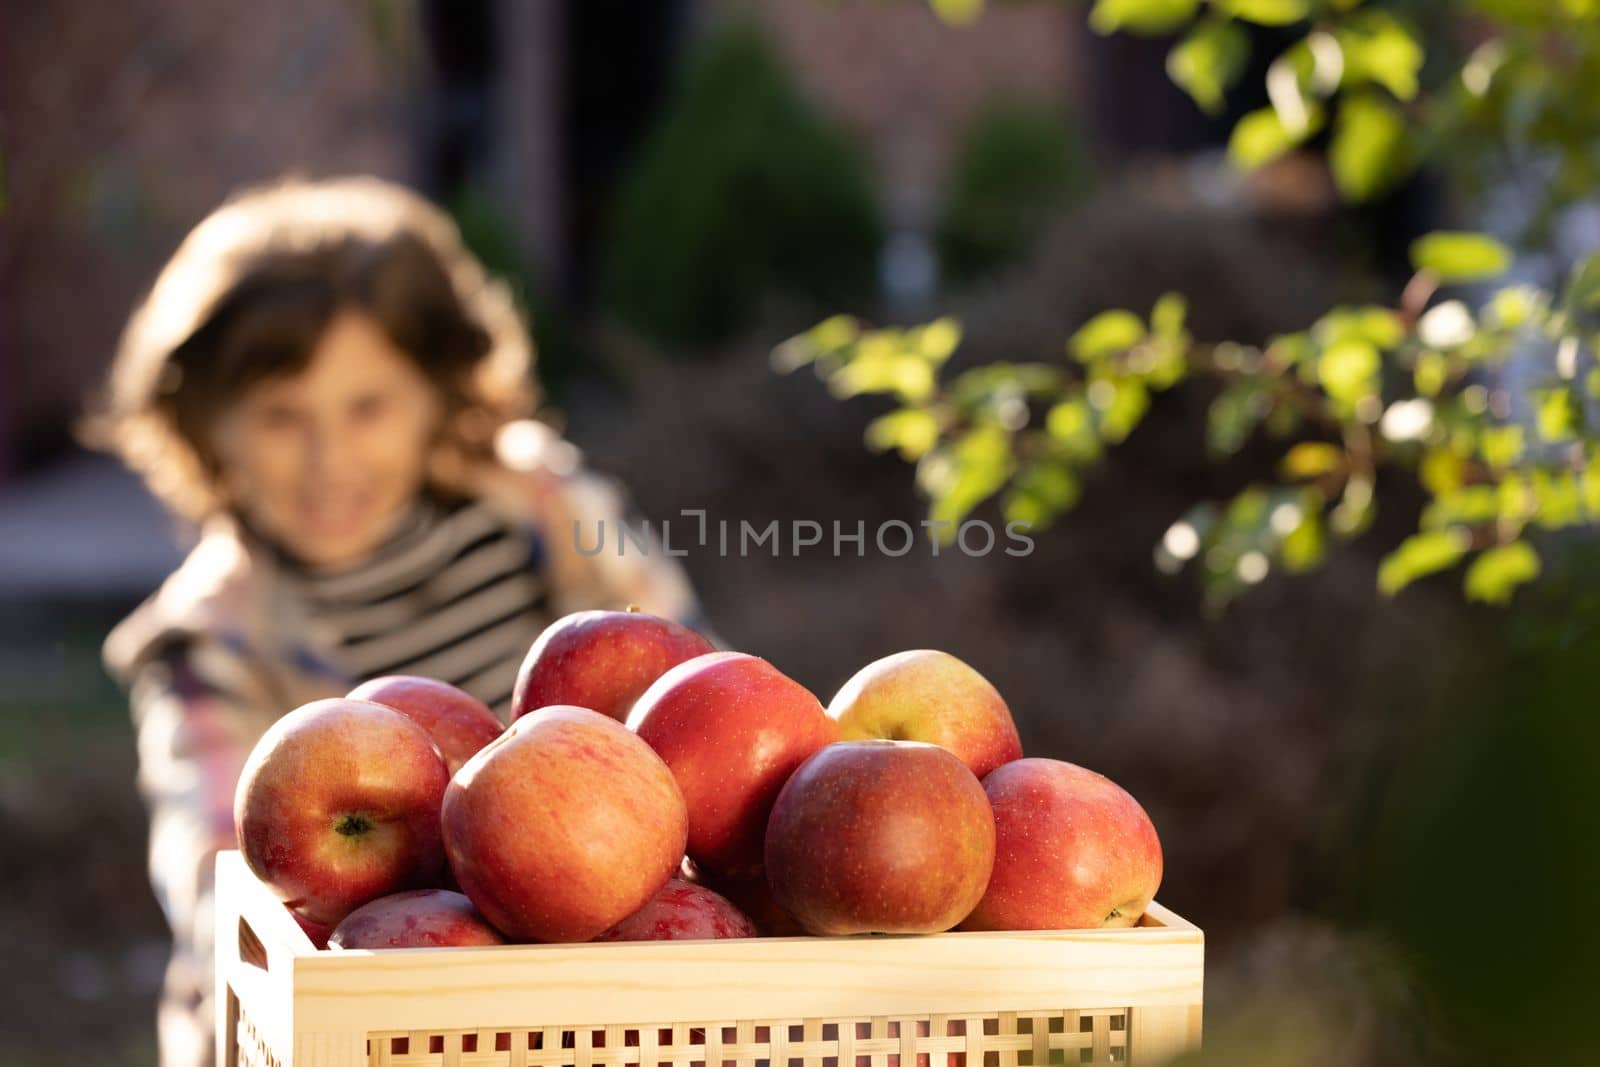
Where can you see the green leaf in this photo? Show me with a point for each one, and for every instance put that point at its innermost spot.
(1261, 136)
(1378, 326)
(1071, 426)
(1441, 471)
(1208, 61)
(1306, 544)
(1367, 153)
(1454, 256)
(912, 431)
(1149, 17)
(1040, 492)
(1556, 413)
(1166, 318)
(1266, 12)
(1501, 446)
(1312, 459)
(1377, 48)
(1121, 402)
(1420, 555)
(958, 12)
(1348, 369)
(1106, 334)
(937, 340)
(1511, 308)
(883, 364)
(1583, 284)
(960, 476)
(1234, 415)
(1497, 572)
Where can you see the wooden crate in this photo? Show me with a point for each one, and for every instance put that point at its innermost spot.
(1025, 999)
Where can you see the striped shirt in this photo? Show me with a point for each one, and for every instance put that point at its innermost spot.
(455, 593)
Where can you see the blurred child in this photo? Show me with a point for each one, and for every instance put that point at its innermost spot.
(326, 383)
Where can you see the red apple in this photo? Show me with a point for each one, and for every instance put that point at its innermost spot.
(880, 837)
(564, 826)
(753, 896)
(459, 723)
(1073, 850)
(422, 918)
(601, 660)
(926, 695)
(317, 932)
(338, 804)
(682, 912)
(733, 728)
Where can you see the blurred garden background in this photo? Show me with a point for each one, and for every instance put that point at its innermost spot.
(1382, 809)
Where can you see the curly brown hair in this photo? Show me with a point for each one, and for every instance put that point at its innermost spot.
(251, 290)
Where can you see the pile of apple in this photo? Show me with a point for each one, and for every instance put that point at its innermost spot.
(650, 787)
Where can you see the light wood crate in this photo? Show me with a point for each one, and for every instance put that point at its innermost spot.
(1024, 999)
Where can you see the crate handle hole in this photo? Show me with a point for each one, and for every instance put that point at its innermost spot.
(251, 950)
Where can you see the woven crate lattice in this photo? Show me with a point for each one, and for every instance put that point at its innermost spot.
(1004, 1039)
(253, 1051)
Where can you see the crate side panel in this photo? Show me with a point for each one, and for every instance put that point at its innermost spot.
(800, 978)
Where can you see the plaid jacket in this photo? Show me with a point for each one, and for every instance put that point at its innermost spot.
(223, 649)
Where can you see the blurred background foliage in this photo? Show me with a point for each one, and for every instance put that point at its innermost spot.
(1379, 808)
(1421, 384)
(742, 190)
(1017, 164)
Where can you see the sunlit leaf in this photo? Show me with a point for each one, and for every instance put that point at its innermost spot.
(1208, 61)
(937, 340)
(1368, 151)
(1312, 459)
(1453, 256)
(1494, 576)
(1306, 544)
(1348, 369)
(1106, 334)
(1555, 413)
(963, 474)
(958, 12)
(1471, 505)
(1071, 426)
(1441, 471)
(1040, 492)
(1261, 136)
(882, 364)
(1266, 12)
(1166, 318)
(1141, 16)
(1512, 307)
(910, 431)
(1420, 555)
(1378, 326)
(1379, 49)
(1121, 403)
(1558, 499)
(1501, 446)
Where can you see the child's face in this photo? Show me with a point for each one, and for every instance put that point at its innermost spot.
(326, 460)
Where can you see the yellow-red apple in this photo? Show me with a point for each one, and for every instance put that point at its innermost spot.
(1073, 850)
(926, 695)
(421, 918)
(563, 826)
(459, 723)
(602, 660)
(733, 728)
(338, 804)
(880, 837)
(681, 911)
